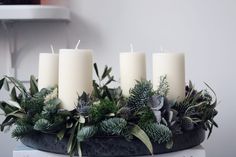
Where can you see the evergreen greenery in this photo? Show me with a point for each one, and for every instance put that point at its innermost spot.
(113, 126)
(140, 95)
(146, 114)
(158, 132)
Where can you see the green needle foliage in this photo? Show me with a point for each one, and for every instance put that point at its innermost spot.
(158, 132)
(140, 95)
(102, 109)
(146, 114)
(113, 126)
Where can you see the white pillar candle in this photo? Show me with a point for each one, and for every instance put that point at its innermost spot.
(48, 70)
(132, 69)
(75, 75)
(173, 66)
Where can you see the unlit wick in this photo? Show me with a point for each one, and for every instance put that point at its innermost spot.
(77, 45)
(131, 48)
(52, 49)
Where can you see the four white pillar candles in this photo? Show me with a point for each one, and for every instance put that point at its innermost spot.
(75, 75)
(173, 66)
(72, 71)
(132, 69)
(48, 70)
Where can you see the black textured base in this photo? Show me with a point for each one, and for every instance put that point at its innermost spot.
(113, 146)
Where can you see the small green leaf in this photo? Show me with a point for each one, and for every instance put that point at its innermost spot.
(141, 135)
(7, 108)
(110, 80)
(18, 85)
(61, 134)
(81, 119)
(14, 94)
(6, 85)
(104, 72)
(9, 120)
(33, 85)
(96, 69)
(1, 83)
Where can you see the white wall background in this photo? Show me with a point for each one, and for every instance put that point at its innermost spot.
(204, 29)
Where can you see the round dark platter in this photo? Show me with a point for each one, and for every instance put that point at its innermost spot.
(113, 146)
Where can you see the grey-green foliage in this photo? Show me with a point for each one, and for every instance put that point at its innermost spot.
(198, 107)
(113, 126)
(86, 132)
(158, 132)
(163, 87)
(84, 104)
(187, 123)
(21, 130)
(42, 125)
(140, 95)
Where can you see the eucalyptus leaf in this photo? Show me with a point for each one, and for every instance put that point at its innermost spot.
(71, 139)
(141, 135)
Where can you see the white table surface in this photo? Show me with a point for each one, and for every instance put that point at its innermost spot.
(23, 151)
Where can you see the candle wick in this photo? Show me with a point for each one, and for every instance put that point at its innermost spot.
(52, 49)
(131, 48)
(161, 49)
(77, 45)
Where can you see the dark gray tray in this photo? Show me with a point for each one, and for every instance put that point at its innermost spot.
(113, 146)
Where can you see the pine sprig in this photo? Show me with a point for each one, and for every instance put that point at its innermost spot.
(158, 132)
(140, 95)
(113, 126)
(163, 87)
(21, 130)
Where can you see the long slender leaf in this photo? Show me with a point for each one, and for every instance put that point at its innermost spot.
(71, 139)
(6, 85)
(33, 85)
(13, 95)
(104, 72)
(1, 83)
(9, 120)
(7, 108)
(96, 69)
(141, 135)
(18, 85)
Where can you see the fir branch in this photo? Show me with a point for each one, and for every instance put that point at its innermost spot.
(86, 132)
(113, 126)
(21, 130)
(140, 95)
(158, 132)
(163, 87)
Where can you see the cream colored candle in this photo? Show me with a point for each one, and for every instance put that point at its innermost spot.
(75, 75)
(132, 69)
(173, 66)
(48, 70)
